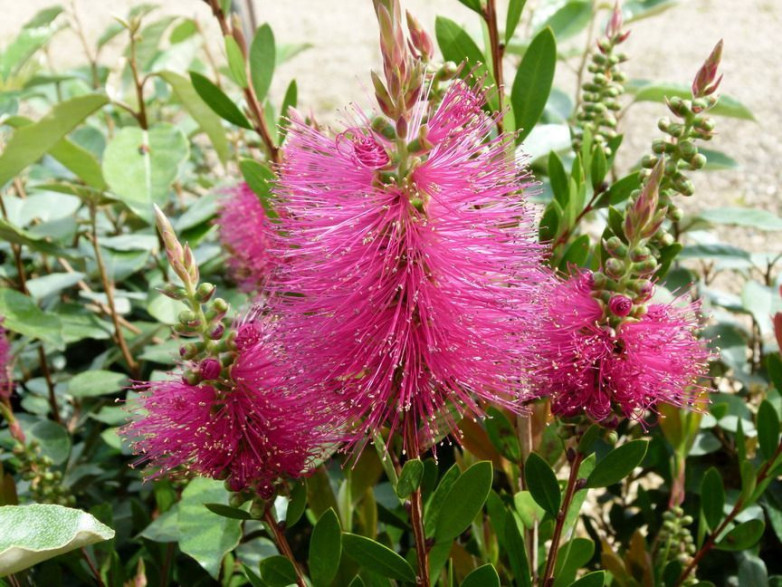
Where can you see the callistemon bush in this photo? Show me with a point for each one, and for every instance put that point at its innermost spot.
(410, 265)
(610, 352)
(228, 413)
(245, 234)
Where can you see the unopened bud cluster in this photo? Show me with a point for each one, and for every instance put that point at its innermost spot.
(675, 542)
(210, 355)
(678, 148)
(45, 484)
(599, 98)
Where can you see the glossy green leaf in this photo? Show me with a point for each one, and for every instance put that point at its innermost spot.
(200, 111)
(227, 511)
(205, 536)
(457, 45)
(558, 179)
(438, 499)
(410, 478)
(140, 165)
(31, 142)
(54, 440)
(483, 576)
(325, 549)
(216, 99)
(465, 500)
(532, 84)
(618, 463)
(502, 434)
(712, 497)
(377, 558)
(657, 92)
(16, 235)
(21, 315)
(717, 160)
(571, 557)
(97, 383)
(571, 18)
(744, 536)
(474, 5)
(262, 60)
(755, 218)
(236, 65)
(515, 7)
(577, 253)
(35, 533)
(542, 483)
(752, 571)
(278, 571)
(259, 177)
(549, 223)
(768, 429)
(619, 191)
(516, 551)
(297, 503)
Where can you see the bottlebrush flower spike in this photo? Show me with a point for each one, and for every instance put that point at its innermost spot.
(413, 281)
(249, 429)
(590, 368)
(245, 233)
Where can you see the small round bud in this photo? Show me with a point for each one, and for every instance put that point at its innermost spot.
(646, 266)
(209, 369)
(614, 268)
(649, 161)
(204, 292)
(217, 332)
(663, 124)
(612, 438)
(640, 254)
(187, 317)
(620, 305)
(698, 161)
(190, 378)
(220, 306)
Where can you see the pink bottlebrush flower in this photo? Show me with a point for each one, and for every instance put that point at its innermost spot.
(588, 367)
(620, 305)
(251, 431)
(245, 234)
(410, 296)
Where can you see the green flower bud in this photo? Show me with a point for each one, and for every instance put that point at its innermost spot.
(649, 161)
(614, 268)
(205, 292)
(698, 161)
(687, 149)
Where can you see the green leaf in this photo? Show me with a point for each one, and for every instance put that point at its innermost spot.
(140, 165)
(31, 142)
(14, 234)
(236, 65)
(502, 434)
(752, 571)
(205, 536)
(768, 429)
(713, 251)
(438, 499)
(278, 571)
(262, 59)
(483, 576)
(570, 19)
(44, 17)
(35, 533)
(598, 168)
(457, 45)
(410, 478)
(712, 497)
(595, 579)
(377, 558)
(216, 99)
(744, 536)
(259, 177)
(549, 223)
(515, 8)
(227, 511)
(54, 440)
(576, 253)
(572, 556)
(542, 483)
(21, 315)
(755, 218)
(53, 283)
(97, 383)
(558, 179)
(618, 463)
(532, 83)
(619, 191)
(297, 503)
(325, 549)
(465, 500)
(474, 5)
(717, 160)
(200, 111)
(658, 92)
(517, 552)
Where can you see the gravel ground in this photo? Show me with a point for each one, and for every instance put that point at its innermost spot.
(668, 47)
